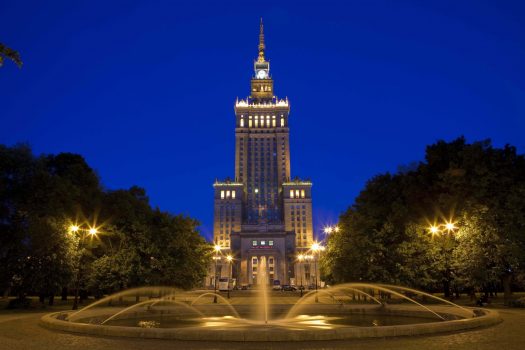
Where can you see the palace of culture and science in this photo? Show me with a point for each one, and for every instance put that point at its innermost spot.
(263, 213)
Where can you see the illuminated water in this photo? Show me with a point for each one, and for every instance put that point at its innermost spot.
(305, 321)
(354, 304)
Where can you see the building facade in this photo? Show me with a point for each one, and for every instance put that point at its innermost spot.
(262, 217)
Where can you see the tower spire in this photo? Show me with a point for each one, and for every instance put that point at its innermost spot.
(261, 43)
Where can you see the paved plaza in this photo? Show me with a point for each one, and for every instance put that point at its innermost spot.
(21, 331)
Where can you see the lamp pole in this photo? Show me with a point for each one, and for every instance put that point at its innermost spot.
(217, 250)
(316, 248)
(301, 270)
(446, 233)
(82, 232)
(229, 258)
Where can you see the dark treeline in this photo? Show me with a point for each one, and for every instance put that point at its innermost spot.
(43, 197)
(397, 232)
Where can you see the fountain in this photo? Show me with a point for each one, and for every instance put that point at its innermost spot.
(353, 310)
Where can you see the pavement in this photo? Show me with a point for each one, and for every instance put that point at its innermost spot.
(21, 331)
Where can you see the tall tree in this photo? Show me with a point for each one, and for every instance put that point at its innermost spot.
(384, 236)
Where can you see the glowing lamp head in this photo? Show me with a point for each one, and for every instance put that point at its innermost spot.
(434, 229)
(450, 226)
(315, 247)
(300, 257)
(74, 228)
(93, 231)
(328, 229)
(217, 248)
(229, 258)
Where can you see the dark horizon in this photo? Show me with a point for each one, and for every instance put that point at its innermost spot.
(145, 92)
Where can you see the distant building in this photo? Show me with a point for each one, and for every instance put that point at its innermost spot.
(262, 213)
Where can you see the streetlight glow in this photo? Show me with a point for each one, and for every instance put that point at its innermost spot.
(93, 231)
(315, 246)
(434, 229)
(229, 258)
(450, 226)
(74, 228)
(328, 230)
(300, 257)
(217, 248)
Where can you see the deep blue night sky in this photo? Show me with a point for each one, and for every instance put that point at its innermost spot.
(144, 90)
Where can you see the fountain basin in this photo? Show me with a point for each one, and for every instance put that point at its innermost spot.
(287, 330)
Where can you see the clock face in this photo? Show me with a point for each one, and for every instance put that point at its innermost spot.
(261, 74)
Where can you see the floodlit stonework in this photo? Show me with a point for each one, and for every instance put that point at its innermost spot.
(262, 213)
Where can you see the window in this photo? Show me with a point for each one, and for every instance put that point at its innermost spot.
(273, 123)
(263, 242)
(270, 243)
(291, 193)
(242, 122)
(254, 243)
(282, 122)
(297, 193)
(233, 194)
(302, 193)
(254, 260)
(227, 194)
(250, 123)
(222, 194)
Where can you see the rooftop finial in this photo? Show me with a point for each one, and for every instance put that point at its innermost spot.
(261, 42)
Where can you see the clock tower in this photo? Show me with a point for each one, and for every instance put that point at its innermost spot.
(262, 83)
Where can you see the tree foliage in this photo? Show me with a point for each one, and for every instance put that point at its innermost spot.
(384, 235)
(137, 245)
(6, 52)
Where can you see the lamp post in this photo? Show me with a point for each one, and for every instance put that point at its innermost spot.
(75, 229)
(331, 229)
(445, 232)
(315, 249)
(229, 258)
(301, 270)
(217, 249)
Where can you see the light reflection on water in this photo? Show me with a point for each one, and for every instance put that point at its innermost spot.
(299, 322)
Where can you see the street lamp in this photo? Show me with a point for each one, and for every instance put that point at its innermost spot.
(76, 229)
(433, 229)
(229, 258)
(301, 258)
(450, 226)
(331, 229)
(217, 249)
(316, 248)
(446, 232)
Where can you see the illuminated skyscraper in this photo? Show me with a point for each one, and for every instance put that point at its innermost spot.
(263, 214)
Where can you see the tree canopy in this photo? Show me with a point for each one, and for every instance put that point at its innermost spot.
(41, 197)
(385, 235)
